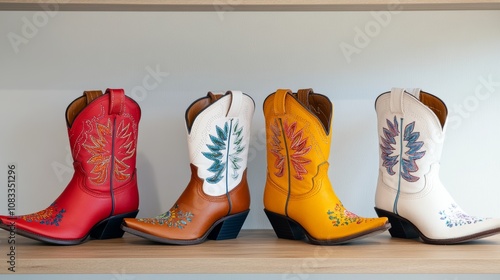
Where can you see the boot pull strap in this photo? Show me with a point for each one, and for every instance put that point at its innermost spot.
(236, 102)
(116, 101)
(91, 95)
(415, 92)
(303, 96)
(279, 101)
(397, 100)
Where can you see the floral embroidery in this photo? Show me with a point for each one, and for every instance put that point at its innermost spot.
(101, 154)
(297, 144)
(454, 216)
(390, 156)
(173, 218)
(342, 217)
(225, 150)
(51, 216)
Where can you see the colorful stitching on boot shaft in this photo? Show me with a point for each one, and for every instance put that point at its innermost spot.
(52, 216)
(298, 144)
(173, 218)
(390, 155)
(225, 150)
(454, 216)
(342, 217)
(125, 151)
(100, 156)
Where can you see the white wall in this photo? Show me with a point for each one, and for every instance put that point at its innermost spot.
(449, 54)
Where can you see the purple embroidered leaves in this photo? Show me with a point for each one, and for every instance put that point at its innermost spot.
(386, 146)
(392, 149)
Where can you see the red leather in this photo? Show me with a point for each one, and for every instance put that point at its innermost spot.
(103, 141)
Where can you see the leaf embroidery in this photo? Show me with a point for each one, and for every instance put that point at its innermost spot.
(225, 151)
(276, 149)
(410, 164)
(127, 150)
(386, 146)
(101, 153)
(100, 156)
(296, 153)
(390, 155)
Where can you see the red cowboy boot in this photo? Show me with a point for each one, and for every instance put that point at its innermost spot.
(102, 133)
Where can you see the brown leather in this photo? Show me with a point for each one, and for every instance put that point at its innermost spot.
(205, 210)
(436, 105)
(318, 104)
(92, 94)
(303, 96)
(77, 106)
(195, 109)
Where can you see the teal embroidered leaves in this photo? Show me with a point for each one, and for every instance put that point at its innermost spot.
(225, 151)
(238, 148)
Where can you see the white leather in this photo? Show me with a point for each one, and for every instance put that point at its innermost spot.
(236, 103)
(414, 91)
(233, 108)
(423, 200)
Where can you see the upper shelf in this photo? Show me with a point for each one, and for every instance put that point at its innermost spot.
(248, 5)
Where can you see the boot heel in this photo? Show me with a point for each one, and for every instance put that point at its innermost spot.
(110, 227)
(400, 227)
(229, 228)
(284, 227)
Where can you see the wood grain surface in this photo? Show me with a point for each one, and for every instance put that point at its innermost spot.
(254, 251)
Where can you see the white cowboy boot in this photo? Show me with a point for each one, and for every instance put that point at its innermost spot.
(216, 201)
(411, 127)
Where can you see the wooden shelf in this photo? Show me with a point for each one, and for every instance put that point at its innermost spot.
(255, 251)
(249, 5)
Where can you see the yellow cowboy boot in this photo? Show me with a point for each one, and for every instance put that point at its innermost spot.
(298, 198)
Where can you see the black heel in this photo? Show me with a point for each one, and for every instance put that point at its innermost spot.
(110, 227)
(284, 227)
(229, 228)
(400, 227)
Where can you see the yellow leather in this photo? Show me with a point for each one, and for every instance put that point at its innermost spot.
(297, 186)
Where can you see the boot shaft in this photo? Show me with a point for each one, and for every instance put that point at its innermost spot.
(298, 137)
(218, 132)
(103, 131)
(411, 128)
